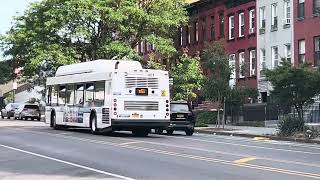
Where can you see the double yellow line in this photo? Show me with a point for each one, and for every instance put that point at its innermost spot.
(238, 163)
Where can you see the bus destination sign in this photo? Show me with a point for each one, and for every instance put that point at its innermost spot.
(142, 91)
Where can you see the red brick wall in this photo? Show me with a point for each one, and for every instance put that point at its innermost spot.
(307, 29)
(208, 9)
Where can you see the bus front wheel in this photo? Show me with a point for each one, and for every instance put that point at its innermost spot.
(53, 121)
(93, 125)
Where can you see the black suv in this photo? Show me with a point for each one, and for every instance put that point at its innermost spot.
(181, 118)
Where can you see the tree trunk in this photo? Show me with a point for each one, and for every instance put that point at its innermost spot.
(300, 112)
(218, 118)
(224, 112)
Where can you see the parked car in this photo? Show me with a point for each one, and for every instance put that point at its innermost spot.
(9, 109)
(26, 111)
(181, 118)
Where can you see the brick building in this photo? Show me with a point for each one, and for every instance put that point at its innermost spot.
(233, 22)
(307, 31)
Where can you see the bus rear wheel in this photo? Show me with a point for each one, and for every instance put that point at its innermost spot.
(141, 132)
(169, 131)
(93, 125)
(53, 122)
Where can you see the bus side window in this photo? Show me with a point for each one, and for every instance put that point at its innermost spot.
(62, 95)
(79, 99)
(70, 95)
(99, 93)
(89, 95)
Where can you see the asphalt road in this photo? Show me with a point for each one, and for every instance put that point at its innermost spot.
(43, 153)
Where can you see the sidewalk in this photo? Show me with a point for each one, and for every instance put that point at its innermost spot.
(263, 133)
(260, 131)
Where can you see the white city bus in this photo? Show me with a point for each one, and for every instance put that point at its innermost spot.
(108, 95)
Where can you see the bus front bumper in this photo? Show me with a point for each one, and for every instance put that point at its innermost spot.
(145, 123)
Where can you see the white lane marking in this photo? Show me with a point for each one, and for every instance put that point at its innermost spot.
(170, 145)
(66, 133)
(243, 145)
(132, 142)
(69, 163)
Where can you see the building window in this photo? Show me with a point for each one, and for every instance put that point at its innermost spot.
(287, 14)
(262, 23)
(263, 61)
(212, 32)
(231, 27)
(241, 24)
(242, 67)
(142, 47)
(274, 17)
(252, 63)
(232, 64)
(188, 35)
(302, 51)
(251, 21)
(317, 50)
(203, 28)
(275, 56)
(196, 32)
(149, 45)
(153, 47)
(287, 50)
(316, 7)
(221, 25)
(301, 9)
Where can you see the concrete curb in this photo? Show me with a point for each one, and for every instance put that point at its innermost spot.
(203, 131)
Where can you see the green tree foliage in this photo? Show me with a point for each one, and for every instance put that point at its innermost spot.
(155, 65)
(289, 125)
(187, 78)
(6, 71)
(216, 86)
(69, 31)
(294, 86)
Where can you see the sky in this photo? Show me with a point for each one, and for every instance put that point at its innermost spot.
(9, 9)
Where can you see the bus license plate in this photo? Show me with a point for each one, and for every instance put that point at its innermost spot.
(135, 116)
(180, 115)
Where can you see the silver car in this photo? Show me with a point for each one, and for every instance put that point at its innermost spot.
(9, 110)
(26, 111)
